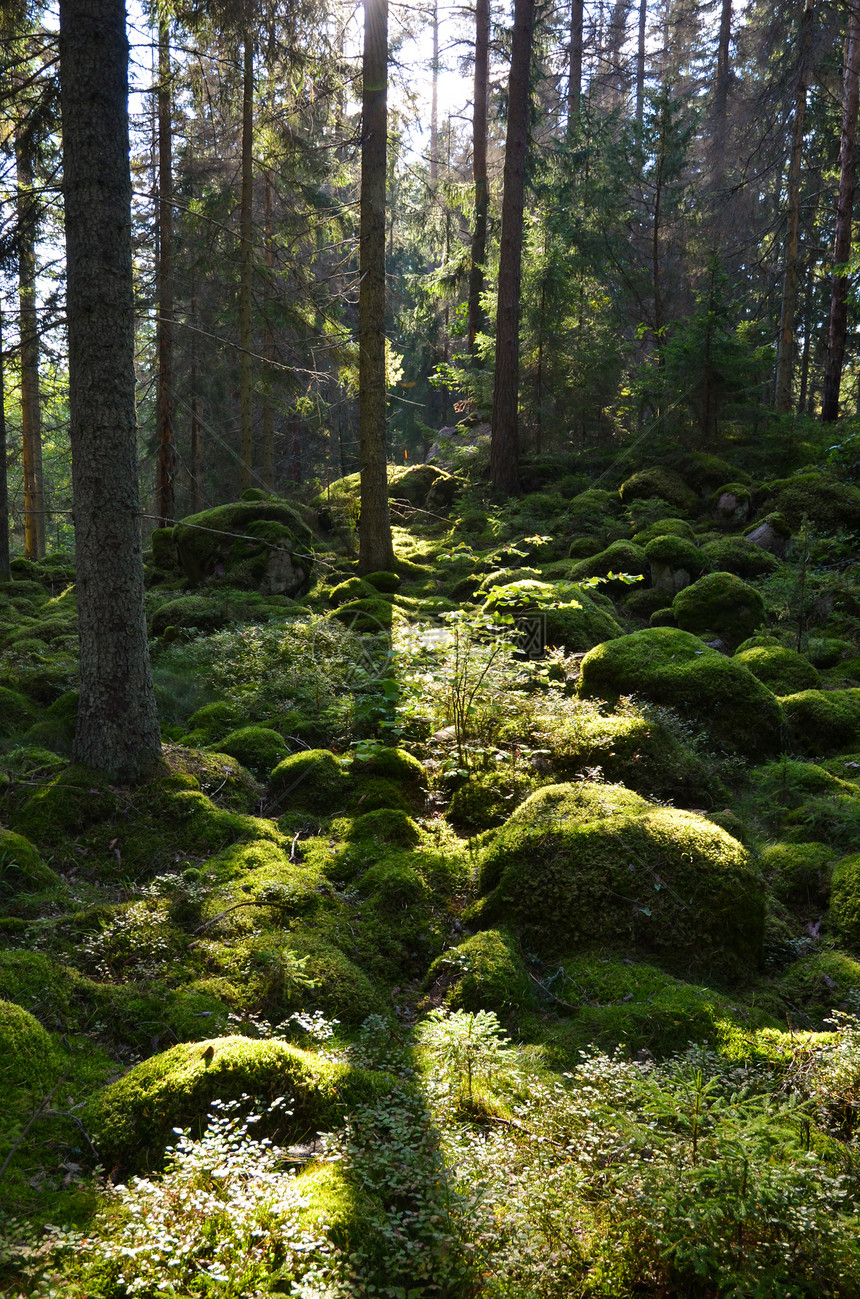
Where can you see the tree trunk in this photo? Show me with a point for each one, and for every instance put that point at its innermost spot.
(165, 491)
(721, 96)
(376, 550)
(640, 62)
(504, 442)
(434, 98)
(574, 80)
(479, 168)
(246, 430)
(31, 406)
(785, 357)
(4, 483)
(268, 416)
(117, 728)
(838, 322)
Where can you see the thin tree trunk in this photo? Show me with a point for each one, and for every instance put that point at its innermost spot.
(376, 550)
(721, 96)
(574, 79)
(31, 405)
(640, 62)
(434, 98)
(785, 358)
(4, 482)
(838, 321)
(165, 489)
(804, 406)
(479, 168)
(504, 442)
(268, 417)
(246, 430)
(117, 727)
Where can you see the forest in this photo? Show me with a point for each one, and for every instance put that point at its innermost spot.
(429, 650)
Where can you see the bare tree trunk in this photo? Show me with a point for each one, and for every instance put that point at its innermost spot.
(246, 430)
(479, 167)
(721, 95)
(640, 62)
(4, 482)
(434, 100)
(504, 442)
(165, 488)
(31, 405)
(838, 322)
(268, 418)
(574, 80)
(117, 728)
(376, 550)
(785, 358)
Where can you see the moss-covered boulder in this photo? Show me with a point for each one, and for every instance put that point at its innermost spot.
(705, 472)
(811, 988)
(659, 484)
(28, 1058)
(485, 972)
(486, 800)
(619, 557)
(782, 670)
(845, 902)
(672, 667)
(578, 868)
(721, 605)
(213, 721)
(664, 528)
(730, 504)
(256, 747)
(314, 781)
(739, 556)
(262, 544)
(21, 867)
(353, 588)
(822, 721)
(798, 873)
(383, 581)
(368, 617)
(563, 615)
(132, 1120)
(827, 503)
(675, 562)
(17, 713)
(385, 825)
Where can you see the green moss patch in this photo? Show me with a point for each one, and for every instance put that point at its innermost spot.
(798, 873)
(822, 721)
(827, 503)
(619, 557)
(845, 902)
(607, 868)
(659, 484)
(570, 617)
(485, 972)
(314, 780)
(27, 1055)
(719, 604)
(256, 747)
(741, 557)
(21, 867)
(261, 544)
(782, 670)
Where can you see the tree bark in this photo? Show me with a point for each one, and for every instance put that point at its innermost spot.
(165, 491)
(640, 62)
(376, 549)
(117, 728)
(4, 482)
(838, 321)
(504, 442)
(246, 430)
(721, 95)
(479, 168)
(574, 80)
(434, 99)
(31, 405)
(268, 415)
(785, 356)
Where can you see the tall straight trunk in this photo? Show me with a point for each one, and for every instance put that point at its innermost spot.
(246, 429)
(574, 76)
(376, 550)
(165, 490)
(31, 404)
(479, 168)
(838, 321)
(196, 430)
(434, 99)
(785, 357)
(504, 441)
(4, 482)
(117, 727)
(640, 62)
(267, 415)
(721, 94)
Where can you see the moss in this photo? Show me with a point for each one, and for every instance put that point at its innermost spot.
(486, 972)
(383, 581)
(664, 528)
(340, 989)
(822, 721)
(730, 504)
(210, 612)
(385, 825)
(251, 543)
(844, 912)
(827, 651)
(257, 747)
(214, 720)
(811, 988)
(368, 617)
(21, 867)
(218, 775)
(829, 504)
(17, 713)
(719, 604)
(56, 729)
(571, 617)
(592, 510)
(374, 793)
(619, 557)
(704, 472)
(314, 780)
(642, 602)
(677, 552)
(66, 807)
(662, 484)
(783, 671)
(576, 869)
(354, 588)
(164, 553)
(396, 766)
(132, 1120)
(27, 1055)
(798, 872)
(741, 557)
(505, 576)
(669, 666)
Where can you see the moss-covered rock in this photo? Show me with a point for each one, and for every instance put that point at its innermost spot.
(619, 557)
(828, 503)
(340, 988)
(569, 616)
(372, 616)
(17, 713)
(845, 901)
(719, 604)
(486, 800)
(393, 764)
(811, 988)
(214, 720)
(383, 581)
(28, 1058)
(132, 1120)
(705, 472)
(675, 562)
(574, 869)
(664, 528)
(385, 825)
(670, 666)
(256, 747)
(485, 972)
(782, 670)
(739, 556)
(314, 780)
(730, 504)
(660, 484)
(262, 544)
(353, 588)
(164, 552)
(210, 612)
(21, 867)
(822, 721)
(798, 873)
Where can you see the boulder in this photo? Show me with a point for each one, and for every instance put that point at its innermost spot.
(719, 605)
(260, 544)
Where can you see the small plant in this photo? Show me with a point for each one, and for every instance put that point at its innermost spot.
(467, 1048)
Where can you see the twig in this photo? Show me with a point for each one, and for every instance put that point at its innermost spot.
(549, 992)
(251, 902)
(16, 1144)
